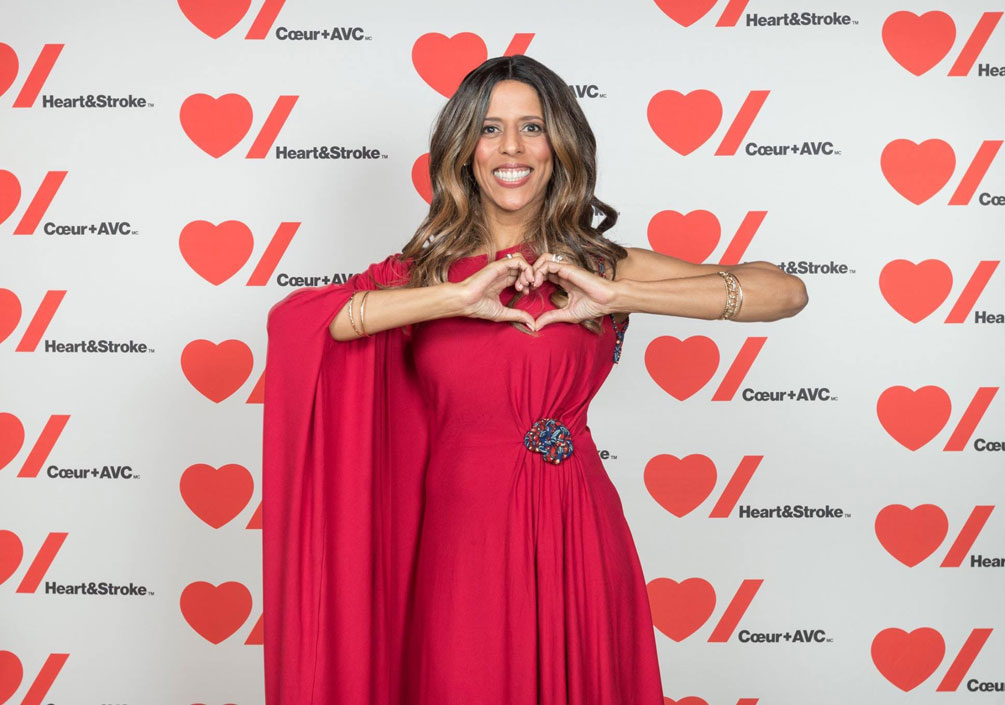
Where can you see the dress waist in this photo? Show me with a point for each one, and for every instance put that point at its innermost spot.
(554, 438)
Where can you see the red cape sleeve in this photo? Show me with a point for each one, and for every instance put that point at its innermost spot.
(344, 454)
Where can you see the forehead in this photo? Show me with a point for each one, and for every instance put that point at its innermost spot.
(513, 97)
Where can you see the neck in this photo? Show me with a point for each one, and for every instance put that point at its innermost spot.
(506, 227)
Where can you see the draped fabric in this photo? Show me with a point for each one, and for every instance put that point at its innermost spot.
(345, 447)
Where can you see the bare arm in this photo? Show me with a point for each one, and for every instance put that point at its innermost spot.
(768, 293)
(650, 282)
(476, 297)
(393, 308)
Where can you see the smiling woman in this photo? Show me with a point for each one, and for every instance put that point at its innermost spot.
(439, 527)
(512, 160)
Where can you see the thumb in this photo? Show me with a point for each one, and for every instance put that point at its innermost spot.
(517, 314)
(551, 316)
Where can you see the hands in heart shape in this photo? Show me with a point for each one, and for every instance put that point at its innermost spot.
(589, 293)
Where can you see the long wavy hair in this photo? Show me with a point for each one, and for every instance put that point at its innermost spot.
(455, 225)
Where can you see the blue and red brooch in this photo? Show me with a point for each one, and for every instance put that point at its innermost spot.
(549, 438)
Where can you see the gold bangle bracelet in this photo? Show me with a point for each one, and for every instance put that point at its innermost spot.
(734, 295)
(351, 321)
(362, 324)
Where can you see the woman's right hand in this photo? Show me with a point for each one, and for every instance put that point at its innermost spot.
(479, 293)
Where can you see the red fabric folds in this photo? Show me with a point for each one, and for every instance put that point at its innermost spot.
(345, 447)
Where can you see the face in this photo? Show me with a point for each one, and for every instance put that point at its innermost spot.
(512, 160)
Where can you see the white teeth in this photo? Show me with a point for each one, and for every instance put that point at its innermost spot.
(511, 174)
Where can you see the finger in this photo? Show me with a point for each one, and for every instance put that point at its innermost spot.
(551, 316)
(526, 278)
(519, 315)
(518, 264)
(541, 271)
(555, 315)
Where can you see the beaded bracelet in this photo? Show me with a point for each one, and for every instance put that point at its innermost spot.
(734, 296)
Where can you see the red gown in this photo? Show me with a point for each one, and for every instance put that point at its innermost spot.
(415, 549)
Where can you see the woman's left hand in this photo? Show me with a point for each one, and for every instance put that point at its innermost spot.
(590, 294)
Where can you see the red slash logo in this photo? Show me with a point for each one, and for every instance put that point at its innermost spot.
(10, 196)
(680, 609)
(443, 62)
(685, 122)
(912, 535)
(682, 367)
(12, 674)
(12, 551)
(919, 171)
(218, 252)
(917, 290)
(914, 417)
(36, 77)
(919, 42)
(907, 659)
(214, 18)
(12, 437)
(10, 316)
(681, 484)
(694, 236)
(217, 125)
(687, 12)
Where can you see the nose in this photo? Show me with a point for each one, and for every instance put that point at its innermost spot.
(511, 143)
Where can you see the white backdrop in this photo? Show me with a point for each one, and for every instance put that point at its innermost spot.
(140, 469)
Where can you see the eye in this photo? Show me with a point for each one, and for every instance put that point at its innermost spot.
(487, 127)
(537, 126)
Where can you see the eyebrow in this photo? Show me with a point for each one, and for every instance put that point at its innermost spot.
(525, 117)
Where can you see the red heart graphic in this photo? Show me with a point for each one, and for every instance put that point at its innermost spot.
(684, 122)
(680, 485)
(216, 125)
(915, 290)
(911, 535)
(11, 674)
(443, 61)
(216, 371)
(11, 553)
(907, 659)
(421, 179)
(917, 171)
(685, 12)
(690, 237)
(681, 367)
(214, 17)
(913, 418)
(10, 194)
(8, 71)
(679, 609)
(918, 43)
(215, 612)
(216, 252)
(691, 700)
(216, 495)
(10, 313)
(11, 438)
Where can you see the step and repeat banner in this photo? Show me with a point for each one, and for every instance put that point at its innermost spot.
(814, 500)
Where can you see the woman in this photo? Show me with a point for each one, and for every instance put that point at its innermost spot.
(438, 526)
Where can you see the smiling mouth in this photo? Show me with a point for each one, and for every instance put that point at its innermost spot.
(511, 175)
